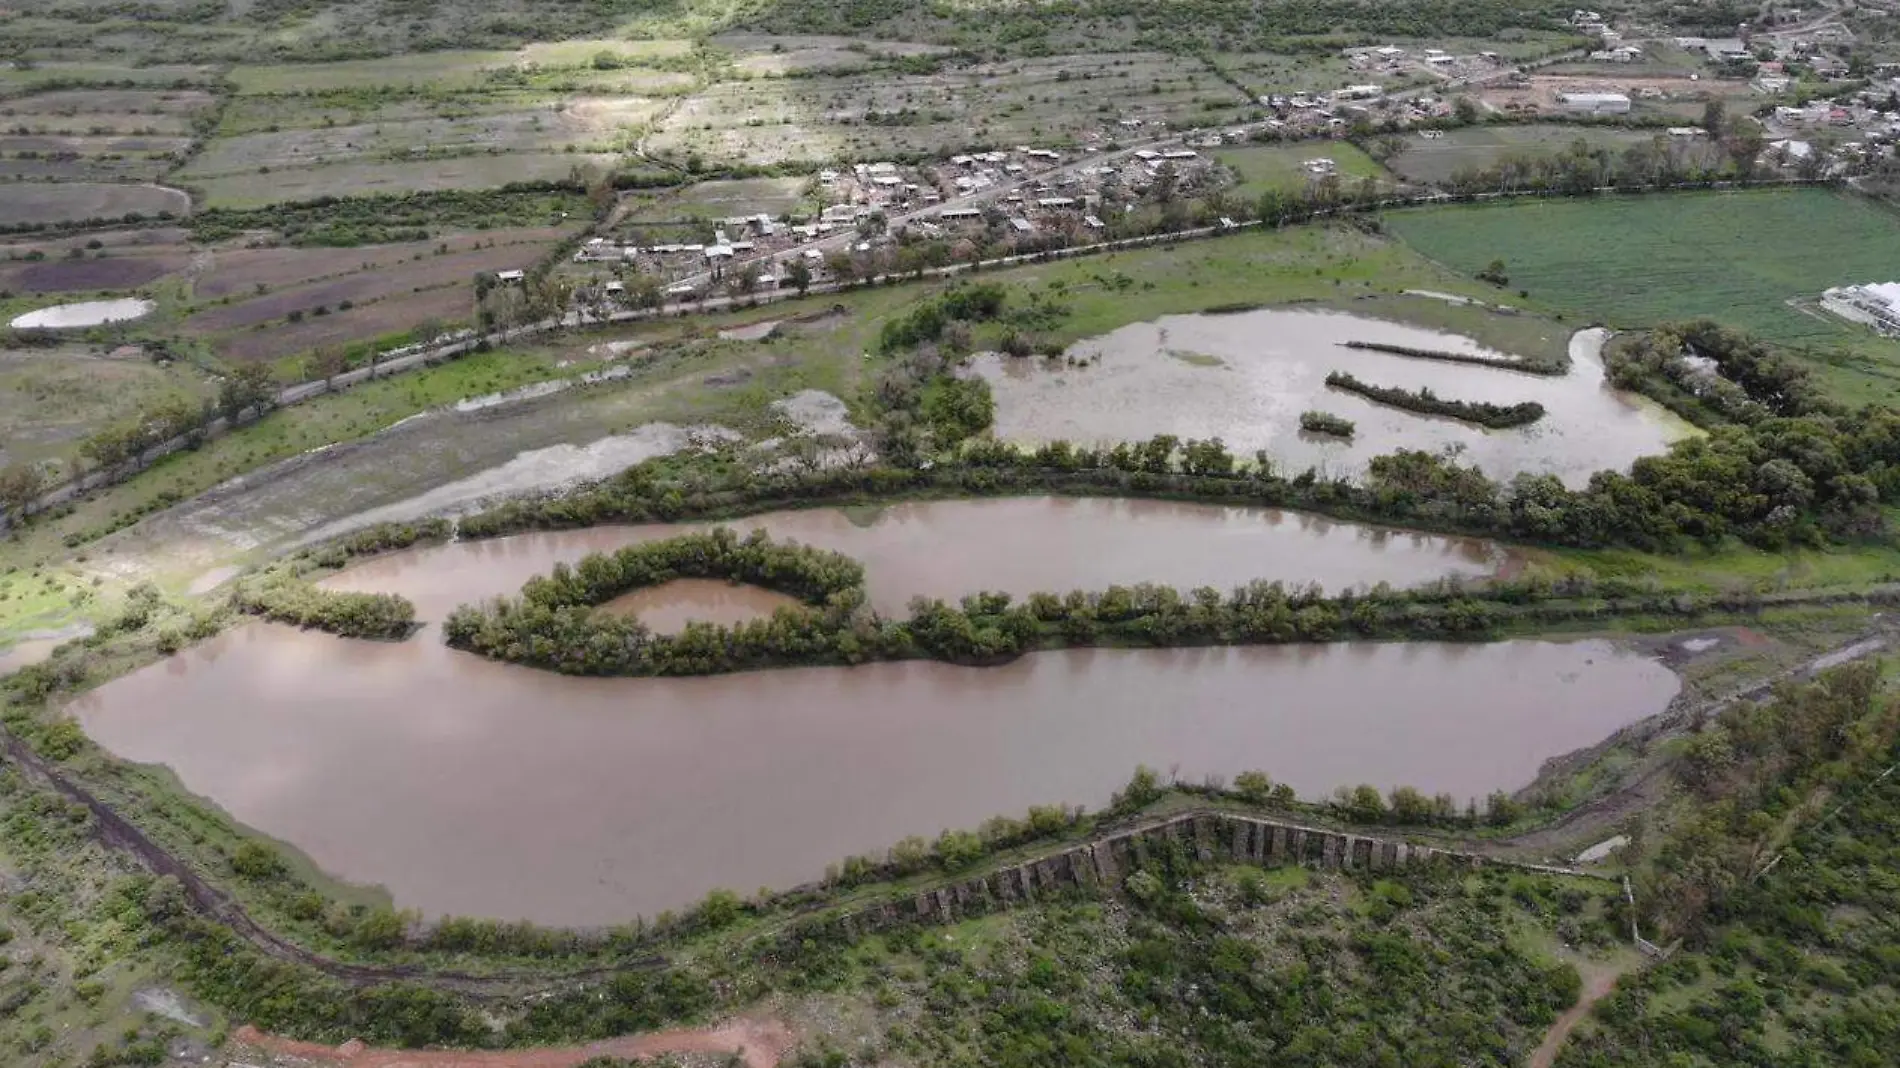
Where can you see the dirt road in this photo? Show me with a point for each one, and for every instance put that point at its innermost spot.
(758, 1042)
(1599, 979)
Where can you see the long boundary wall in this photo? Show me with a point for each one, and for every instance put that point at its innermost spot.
(1102, 865)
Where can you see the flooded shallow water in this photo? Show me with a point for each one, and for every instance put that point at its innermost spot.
(84, 313)
(1018, 544)
(472, 787)
(1246, 378)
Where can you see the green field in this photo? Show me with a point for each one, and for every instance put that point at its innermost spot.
(1740, 258)
(1259, 168)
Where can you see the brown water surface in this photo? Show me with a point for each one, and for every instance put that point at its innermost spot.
(1246, 377)
(473, 787)
(669, 607)
(1018, 545)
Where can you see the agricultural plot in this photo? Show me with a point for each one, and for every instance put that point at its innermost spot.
(1056, 100)
(275, 149)
(94, 271)
(1260, 168)
(236, 271)
(589, 51)
(14, 81)
(450, 306)
(98, 134)
(255, 190)
(724, 198)
(532, 131)
(1278, 72)
(271, 114)
(1752, 260)
(101, 111)
(1434, 161)
(52, 202)
(52, 398)
(362, 287)
(765, 54)
(425, 70)
(627, 81)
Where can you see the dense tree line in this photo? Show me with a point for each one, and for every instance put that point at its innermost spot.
(1425, 402)
(1529, 366)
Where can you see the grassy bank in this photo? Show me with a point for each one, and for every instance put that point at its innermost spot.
(1756, 260)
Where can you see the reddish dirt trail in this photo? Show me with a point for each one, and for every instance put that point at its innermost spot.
(760, 1042)
(1598, 981)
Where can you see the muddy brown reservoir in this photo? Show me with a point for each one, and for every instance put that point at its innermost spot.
(472, 787)
(466, 786)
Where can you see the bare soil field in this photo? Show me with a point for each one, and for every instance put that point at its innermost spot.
(14, 81)
(545, 129)
(237, 270)
(453, 304)
(45, 202)
(1035, 101)
(99, 123)
(1541, 92)
(81, 170)
(91, 144)
(92, 273)
(436, 70)
(630, 80)
(364, 286)
(145, 237)
(758, 53)
(722, 198)
(144, 103)
(263, 114)
(481, 171)
(581, 53)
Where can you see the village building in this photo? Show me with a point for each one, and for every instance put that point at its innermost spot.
(1594, 103)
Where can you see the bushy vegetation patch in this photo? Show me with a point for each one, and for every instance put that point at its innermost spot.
(1326, 423)
(349, 615)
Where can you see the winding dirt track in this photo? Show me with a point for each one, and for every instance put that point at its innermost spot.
(1598, 981)
(758, 1042)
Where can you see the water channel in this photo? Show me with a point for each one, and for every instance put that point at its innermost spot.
(1018, 545)
(466, 786)
(1246, 378)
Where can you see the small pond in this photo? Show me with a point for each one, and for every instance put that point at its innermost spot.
(83, 314)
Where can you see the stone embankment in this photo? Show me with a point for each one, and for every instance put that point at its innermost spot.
(1101, 865)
